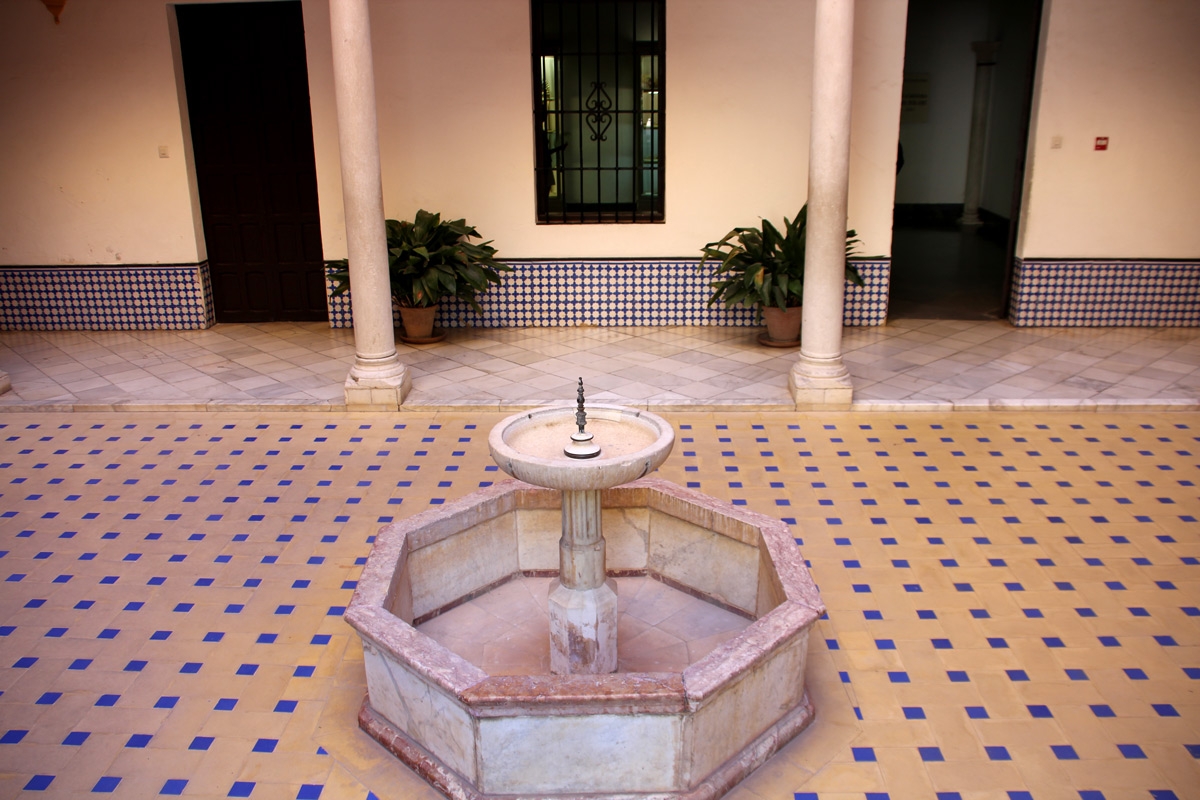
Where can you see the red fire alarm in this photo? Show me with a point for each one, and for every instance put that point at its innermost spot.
(1101, 142)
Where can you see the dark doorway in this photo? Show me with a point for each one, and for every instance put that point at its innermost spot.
(942, 269)
(246, 75)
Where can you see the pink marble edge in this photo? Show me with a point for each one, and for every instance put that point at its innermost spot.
(775, 535)
(763, 636)
(406, 645)
(369, 615)
(712, 787)
(375, 581)
(566, 695)
(488, 696)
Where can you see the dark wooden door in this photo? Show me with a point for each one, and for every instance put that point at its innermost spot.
(246, 74)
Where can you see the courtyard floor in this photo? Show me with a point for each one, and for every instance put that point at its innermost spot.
(908, 365)
(1013, 597)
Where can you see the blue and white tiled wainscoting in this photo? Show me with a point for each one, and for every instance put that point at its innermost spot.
(548, 294)
(1059, 293)
(103, 298)
(866, 306)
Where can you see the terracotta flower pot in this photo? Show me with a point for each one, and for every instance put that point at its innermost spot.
(418, 325)
(783, 327)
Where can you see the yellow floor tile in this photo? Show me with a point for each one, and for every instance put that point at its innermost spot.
(952, 630)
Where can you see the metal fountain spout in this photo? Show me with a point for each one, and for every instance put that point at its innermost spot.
(581, 445)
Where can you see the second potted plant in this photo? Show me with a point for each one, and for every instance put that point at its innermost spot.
(765, 268)
(429, 260)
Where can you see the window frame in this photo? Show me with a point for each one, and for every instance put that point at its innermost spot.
(592, 179)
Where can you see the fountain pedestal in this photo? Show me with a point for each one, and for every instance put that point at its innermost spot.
(628, 445)
(583, 630)
(583, 606)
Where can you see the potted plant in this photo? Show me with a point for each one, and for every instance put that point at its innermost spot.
(766, 268)
(430, 259)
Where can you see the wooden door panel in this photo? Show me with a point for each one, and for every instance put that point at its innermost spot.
(289, 249)
(310, 238)
(284, 191)
(252, 244)
(247, 91)
(223, 246)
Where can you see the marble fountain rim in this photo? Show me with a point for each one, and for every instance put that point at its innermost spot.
(574, 474)
(553, 695)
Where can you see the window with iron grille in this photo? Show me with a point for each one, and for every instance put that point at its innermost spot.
(599, 103)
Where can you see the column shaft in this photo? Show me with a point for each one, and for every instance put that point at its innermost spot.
(377, 377)
(819, 377)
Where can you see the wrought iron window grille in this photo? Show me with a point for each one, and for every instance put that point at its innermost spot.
(599, 110)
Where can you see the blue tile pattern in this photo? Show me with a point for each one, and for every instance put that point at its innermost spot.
(213, 644)
(641, 292)
(170, 297)
(340, 315)
(1106, 293)
(867, 305)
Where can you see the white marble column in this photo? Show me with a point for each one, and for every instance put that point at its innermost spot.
(819, 379)
(985, 60)
(378, 379)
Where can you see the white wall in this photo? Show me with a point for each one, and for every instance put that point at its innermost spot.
(86, 105)
(875, 120)
(1129, 70)
(455, 99)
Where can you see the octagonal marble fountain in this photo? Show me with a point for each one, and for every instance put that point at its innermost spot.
(583, 516)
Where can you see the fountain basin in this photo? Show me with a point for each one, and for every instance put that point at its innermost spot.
(529, 446)
(690, 734)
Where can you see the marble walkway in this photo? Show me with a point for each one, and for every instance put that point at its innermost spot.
(908, 365)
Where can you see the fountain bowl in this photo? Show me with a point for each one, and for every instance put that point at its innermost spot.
(529, 446)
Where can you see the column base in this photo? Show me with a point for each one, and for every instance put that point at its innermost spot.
(820, 384)
(377, 387)
(583, 630)
(5, 383)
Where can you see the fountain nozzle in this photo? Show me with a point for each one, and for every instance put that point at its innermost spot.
(581, 445)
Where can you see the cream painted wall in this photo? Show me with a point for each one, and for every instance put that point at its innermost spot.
(455, 104)
(875, 120)
(318, 47)
(84, 107)
(1126, 69)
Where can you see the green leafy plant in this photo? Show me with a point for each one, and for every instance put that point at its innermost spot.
(765, 267)
(430, 259)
